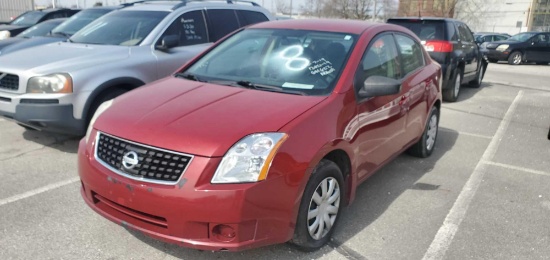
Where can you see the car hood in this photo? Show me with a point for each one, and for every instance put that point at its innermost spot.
(24, 43)
(62, 57)
(7, 27)
(9, 41)
(199, 118)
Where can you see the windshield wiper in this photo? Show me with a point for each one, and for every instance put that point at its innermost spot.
(67, 35)
(250, 85)
(188, 76)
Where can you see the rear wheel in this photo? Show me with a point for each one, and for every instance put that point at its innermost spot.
(451, 94)
(320, 207)
(425, 146)
(476, 83)
(515, 58)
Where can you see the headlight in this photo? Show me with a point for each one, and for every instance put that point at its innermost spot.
(104, 106)
(4, 35)
(53, 83)
(502, 47)
(249, 159)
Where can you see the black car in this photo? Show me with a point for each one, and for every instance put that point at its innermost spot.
(31, 18)
(521, 48)
(489, 37)
(449, 42)
(40, 29)
(59, 33)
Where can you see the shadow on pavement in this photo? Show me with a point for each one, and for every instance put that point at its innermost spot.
(63, 143)
(373, 198)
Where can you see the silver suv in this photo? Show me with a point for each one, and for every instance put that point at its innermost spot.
(57, 87)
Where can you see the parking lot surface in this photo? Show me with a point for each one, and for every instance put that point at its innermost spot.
(483, 194)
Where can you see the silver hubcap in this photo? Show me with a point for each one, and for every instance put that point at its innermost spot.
(457, 85)
(517, 59)
(432, 132)
(323, 208)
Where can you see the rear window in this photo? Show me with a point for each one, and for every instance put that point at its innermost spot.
(425, 30)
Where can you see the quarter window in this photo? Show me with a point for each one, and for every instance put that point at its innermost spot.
(380, 59)
(190, 29)
(411, 53)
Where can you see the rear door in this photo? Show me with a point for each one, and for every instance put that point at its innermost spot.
(470, 51)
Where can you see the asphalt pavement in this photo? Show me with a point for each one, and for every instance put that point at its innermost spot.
(483, 194)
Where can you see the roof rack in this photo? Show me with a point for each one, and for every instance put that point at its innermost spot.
(184, 2)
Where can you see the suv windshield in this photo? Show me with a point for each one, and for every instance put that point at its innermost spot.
(291, 61)
(424, 29)
(521, 37)
(78, 21)
(28, 18)
(126, 28)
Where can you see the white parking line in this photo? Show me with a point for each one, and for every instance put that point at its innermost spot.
(38, 191)
(447, 231)
(518, 168)
(466, 133)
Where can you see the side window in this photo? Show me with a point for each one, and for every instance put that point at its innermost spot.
(500, 38)
(380, 59)
(250, 17)
(221, 22)
(412, 57)
(190, 29)
(465, 33)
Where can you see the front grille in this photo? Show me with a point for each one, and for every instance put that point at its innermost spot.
(152, 164)
(9, 81)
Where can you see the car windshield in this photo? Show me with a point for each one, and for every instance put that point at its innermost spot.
(28, 18)
(291, 61)
(521, 37)
(40, 29)
(78, 21)
(126, 28)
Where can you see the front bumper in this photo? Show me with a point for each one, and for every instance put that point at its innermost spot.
(193, 213)
(42, 114)
(497, 55)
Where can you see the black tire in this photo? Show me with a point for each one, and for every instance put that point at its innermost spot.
(105, 96)
(476, 83)
(492, 60)
(451, 93)
(515, 58)
(424, 147)
(325, 170)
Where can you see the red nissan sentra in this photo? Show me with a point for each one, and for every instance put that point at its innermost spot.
(264, 137)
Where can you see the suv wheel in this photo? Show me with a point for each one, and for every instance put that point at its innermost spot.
(320, 207)
(476, 83)
(515, 58)
(103, 97)
(451, 94)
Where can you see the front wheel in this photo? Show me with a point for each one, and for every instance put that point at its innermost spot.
(515, 58)
(425, 146)
(320, 207)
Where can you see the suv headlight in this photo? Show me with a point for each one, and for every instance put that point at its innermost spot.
(53, 83)
(503, 47)
(4, 35)
(104, 106)
(249, 159)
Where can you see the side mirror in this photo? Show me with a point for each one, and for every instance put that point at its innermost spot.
(168, 42)
(375, 86)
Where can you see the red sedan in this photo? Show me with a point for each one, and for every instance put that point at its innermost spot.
(264, 137)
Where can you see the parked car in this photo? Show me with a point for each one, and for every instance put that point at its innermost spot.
(521, 48)
(120, 51)
(489, 37)
(31, 18)
(40, 29)
(59, 33)
(270, 148)
(451, 43)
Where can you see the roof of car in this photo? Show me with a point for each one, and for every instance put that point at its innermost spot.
(50, 10)
(174, 4)
(425, 18)
(333, 25)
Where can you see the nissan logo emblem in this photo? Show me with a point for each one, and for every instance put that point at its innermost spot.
(130, 160)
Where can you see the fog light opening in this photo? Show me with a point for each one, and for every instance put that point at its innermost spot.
(224, 232)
